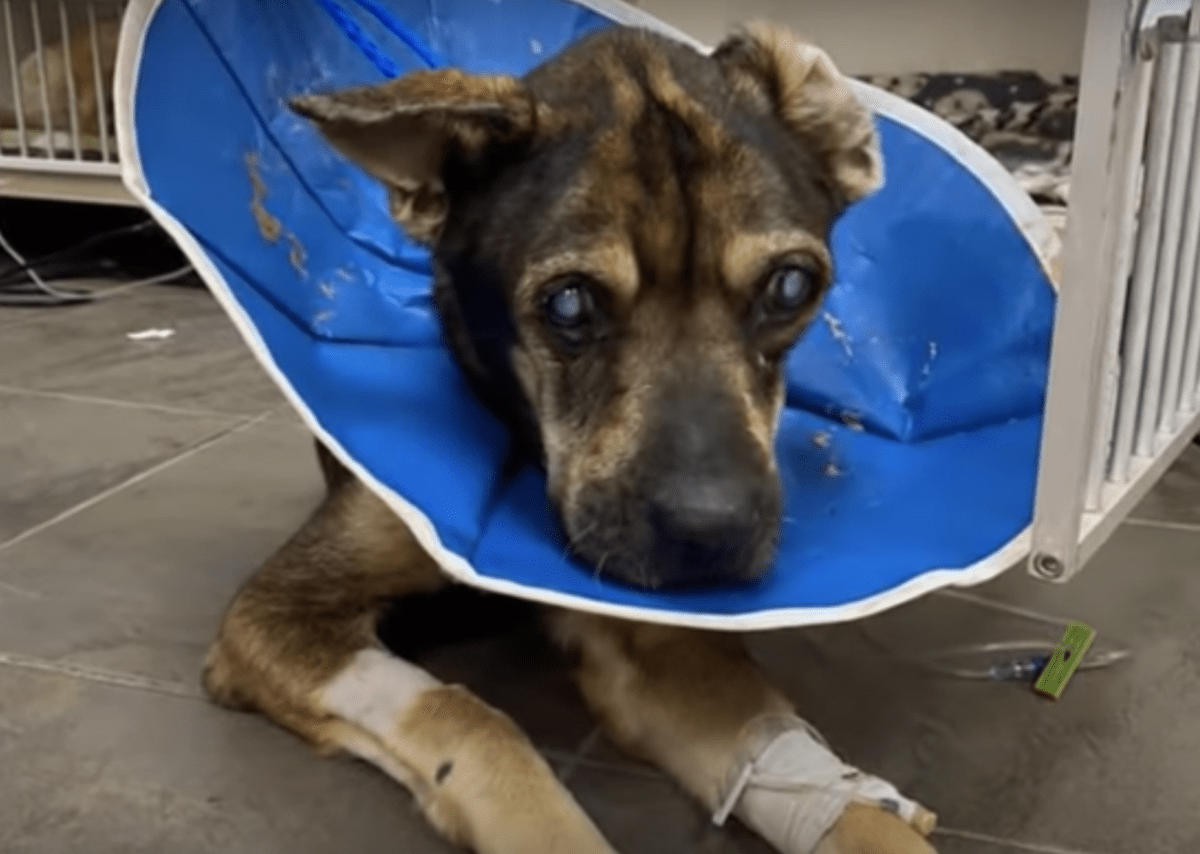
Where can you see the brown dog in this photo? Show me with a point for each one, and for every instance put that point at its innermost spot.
(626, 242)
(73, 77)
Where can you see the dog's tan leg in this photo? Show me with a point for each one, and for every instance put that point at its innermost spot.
(298, 644)
(690, 702)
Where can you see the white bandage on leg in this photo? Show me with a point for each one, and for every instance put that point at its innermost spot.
(790, 788)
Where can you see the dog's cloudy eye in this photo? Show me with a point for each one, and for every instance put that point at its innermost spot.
(569, 306)
(789, 289)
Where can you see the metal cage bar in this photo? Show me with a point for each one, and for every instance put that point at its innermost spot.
(1146, 267)
(99, 85)
(1167, 280)
(39, 54)
(1117, 279)
(1189, 384)
(18, 104)
(1174, 403)
(69, 77)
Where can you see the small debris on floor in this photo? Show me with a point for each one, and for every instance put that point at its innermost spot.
(150, 335)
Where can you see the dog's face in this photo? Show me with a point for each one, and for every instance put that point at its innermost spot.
(627, 242)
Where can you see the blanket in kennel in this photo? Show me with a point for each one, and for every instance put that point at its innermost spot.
(909, 444)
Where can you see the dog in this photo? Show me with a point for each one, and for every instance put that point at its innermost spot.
(626, 243)
(76, 71)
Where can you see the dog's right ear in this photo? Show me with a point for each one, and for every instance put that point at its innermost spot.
(799, 83)
(403, 131)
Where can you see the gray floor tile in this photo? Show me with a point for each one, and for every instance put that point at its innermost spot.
(138, 582)
(9, 316)
(84, 350)
(1176, 498)
(1111, 767)
(55, 454)
(91, 769)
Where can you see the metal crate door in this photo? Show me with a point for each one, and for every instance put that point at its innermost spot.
(1124, 399)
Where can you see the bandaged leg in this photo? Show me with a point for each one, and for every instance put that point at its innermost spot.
(696, 705)
(792, 789)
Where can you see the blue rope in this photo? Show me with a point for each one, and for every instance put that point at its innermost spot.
(428, 55)
(361, 40)
(368, 46)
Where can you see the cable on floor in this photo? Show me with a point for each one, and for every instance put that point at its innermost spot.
(1030, 656)
(36, 292)
(38, 264)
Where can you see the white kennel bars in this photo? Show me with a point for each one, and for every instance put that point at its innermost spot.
(1124, 395)
(57, 136)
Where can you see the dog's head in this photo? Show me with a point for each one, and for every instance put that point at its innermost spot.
(627, 241)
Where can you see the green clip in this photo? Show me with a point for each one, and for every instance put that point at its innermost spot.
(1066, 659)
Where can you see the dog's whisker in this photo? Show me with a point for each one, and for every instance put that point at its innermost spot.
(599, 568)
(574, 540)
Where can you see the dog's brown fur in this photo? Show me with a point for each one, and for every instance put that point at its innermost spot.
(666, 188)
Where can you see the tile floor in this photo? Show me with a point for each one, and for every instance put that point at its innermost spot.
(140, 481)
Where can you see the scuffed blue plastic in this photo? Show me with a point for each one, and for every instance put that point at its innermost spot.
(935, 337)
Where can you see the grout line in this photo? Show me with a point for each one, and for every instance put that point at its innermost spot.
(98, 675)
(202, 445)
(563, 757)
(14, 590)
(1160, 523)
(1032, 847)
(571, 765)
(125, 404)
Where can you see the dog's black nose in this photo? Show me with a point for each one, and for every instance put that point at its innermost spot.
(709, 529)
(717, 513)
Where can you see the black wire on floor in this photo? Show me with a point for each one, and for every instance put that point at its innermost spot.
(41, 263)
(50, 279)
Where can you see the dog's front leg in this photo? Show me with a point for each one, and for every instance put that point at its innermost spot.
(695, 704)
(298, 644)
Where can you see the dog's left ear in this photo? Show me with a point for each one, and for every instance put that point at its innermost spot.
(405, 132)
(800, 84)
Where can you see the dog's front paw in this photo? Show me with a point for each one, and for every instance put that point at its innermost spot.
(864, 829)
(797, 794)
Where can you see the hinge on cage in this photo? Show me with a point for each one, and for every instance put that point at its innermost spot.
(1047, 567)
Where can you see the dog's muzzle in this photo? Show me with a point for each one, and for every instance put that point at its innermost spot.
(698, 507)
